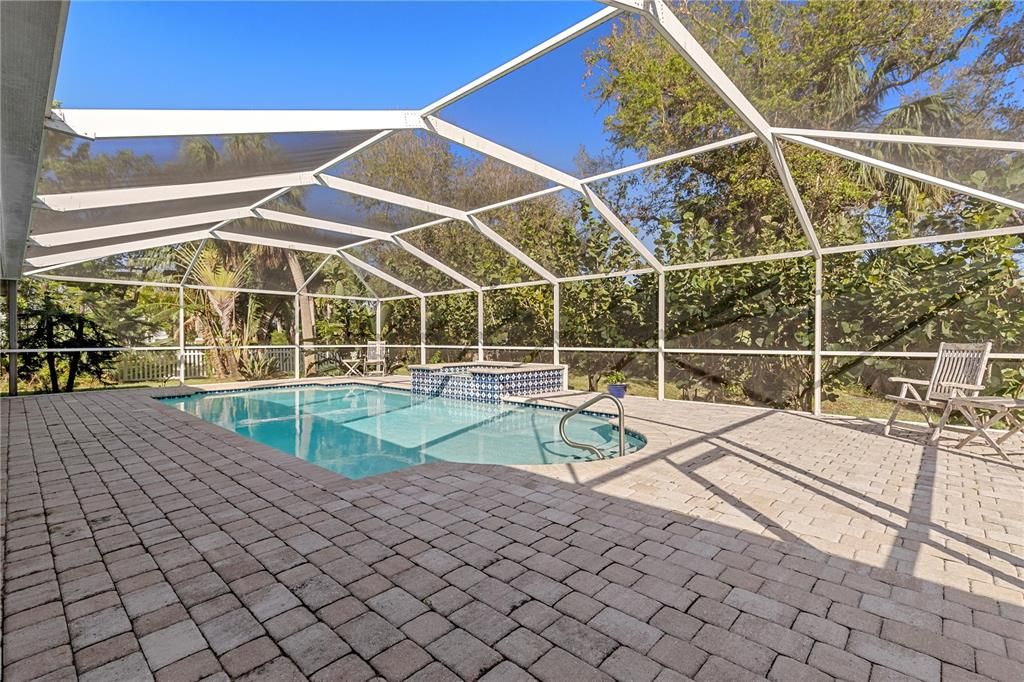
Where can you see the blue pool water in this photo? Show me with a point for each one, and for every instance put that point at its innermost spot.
(360, 431)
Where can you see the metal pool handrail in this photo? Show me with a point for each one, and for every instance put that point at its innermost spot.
(584, 446)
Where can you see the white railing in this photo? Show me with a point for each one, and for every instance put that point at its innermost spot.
(163, 366)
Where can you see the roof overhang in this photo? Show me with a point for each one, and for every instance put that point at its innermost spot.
(31, 35)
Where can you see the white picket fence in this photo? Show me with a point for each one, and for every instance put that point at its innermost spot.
(163, 365)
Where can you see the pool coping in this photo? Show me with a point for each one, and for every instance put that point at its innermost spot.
(540, 401)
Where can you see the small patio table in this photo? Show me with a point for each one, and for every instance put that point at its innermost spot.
(353, 365)
(1010, 410)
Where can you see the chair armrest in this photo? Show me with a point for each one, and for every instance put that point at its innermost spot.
(904, 380)
(965, 387)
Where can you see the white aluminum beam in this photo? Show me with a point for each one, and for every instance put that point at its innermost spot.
(390, 279)
(668, 158)
(816, 387)
(511, 250)
(316, 271)
(104, 198)
(102, 251)
(779, 160)
(785, 255)
(448, 292)
(430, 260)
(387, 196)
(556, 326)
(516, 285)
(516, 200)
(906, 172)
(111, 123)
(423, 330)
(926, 140)
(100, 280)
(522, 60)
(662, 329)
(669, 26)
(269, 241)
(479, 325)
(502, 153)
(192, 262)
(89, 234)
(930, 239)
(627, 5)
(607, 275)
(62, 264)
(627, 234)
(320, 224)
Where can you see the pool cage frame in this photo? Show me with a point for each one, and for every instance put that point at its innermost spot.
(98, 124)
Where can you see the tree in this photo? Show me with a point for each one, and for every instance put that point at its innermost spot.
(58, 315)
(890, 66)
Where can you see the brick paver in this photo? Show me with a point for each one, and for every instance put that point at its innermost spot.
(141, 543)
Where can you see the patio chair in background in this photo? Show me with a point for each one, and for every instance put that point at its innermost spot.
(376, 361)
(959, 371)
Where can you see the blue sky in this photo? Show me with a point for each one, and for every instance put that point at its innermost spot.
(337, 55)
(297, 55)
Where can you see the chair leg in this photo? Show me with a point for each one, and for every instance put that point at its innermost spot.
(892, 418)
(937, 430)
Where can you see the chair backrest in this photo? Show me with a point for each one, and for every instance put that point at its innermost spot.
(375, 351)
(958, 363)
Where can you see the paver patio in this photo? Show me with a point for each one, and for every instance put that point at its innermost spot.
(739, 544)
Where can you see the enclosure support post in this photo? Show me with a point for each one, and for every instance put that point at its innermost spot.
(816, 398)
(661, 336)
(480, 326)
(423, 330)
(181, 335)
(297, 323)
(12, 336)
(377, 322)
(556, 356)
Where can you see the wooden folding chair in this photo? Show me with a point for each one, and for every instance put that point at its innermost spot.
(376, 358)
(959, 371)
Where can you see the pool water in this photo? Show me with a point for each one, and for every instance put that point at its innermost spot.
(360, 431)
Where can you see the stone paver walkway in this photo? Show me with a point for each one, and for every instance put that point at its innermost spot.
(739, 544)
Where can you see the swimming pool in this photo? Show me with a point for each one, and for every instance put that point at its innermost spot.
(360, 431)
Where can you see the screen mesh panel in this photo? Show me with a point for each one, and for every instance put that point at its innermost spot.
(236, 265)
(853, 203)
(404, 266)
(72, 164)
(591, 370)
(564, 234)
(593, 85)
(340, 278)
(421, 164)
(912, 298)
(764, 381)
(996, 171)
(523, 316)
(320, 202)
(287, 232)
(720, 204)
(451, 320)
(464, 249)
(926, 68)
(612, 312)
(46, 222)
(762, 306)
(56, 314)
(159, 264)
